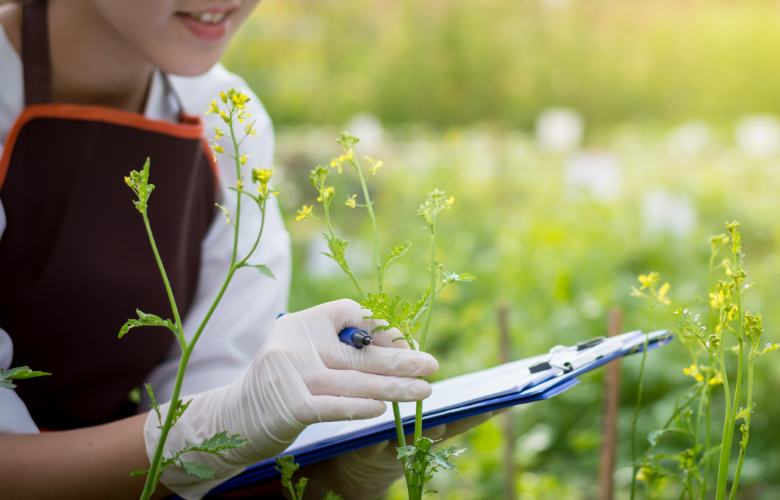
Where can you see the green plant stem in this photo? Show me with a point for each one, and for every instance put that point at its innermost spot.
(370, 209)
(746, 436)
(670, 420)
(707, 442)
(723, 464)
(262, 226)
(346, 268)
(731, 408)
(639, 400)
(708, 392)
(399, 426)
(154, 470)
(426, 324)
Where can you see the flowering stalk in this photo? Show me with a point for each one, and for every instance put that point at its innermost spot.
(418, 461)
(716, 242)
(654, 295)
(139, 183)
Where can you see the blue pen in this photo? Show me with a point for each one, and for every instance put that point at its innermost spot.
(351, 336)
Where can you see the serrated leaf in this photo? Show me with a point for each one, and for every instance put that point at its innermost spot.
(332, 496)
(200, 470)
(19, 373)
(138, 472)
(217, 443)
(406, 451)
(453, 277)
(397, 252)
(264, 269)
(146, 320)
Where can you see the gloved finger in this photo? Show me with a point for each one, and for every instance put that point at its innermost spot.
(378, 360)
(355, 384)
(466, 424)
(349, 314)
(333, 408)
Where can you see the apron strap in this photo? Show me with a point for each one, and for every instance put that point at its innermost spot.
(36, 60)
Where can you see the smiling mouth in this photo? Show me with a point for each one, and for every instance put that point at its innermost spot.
(205, 17)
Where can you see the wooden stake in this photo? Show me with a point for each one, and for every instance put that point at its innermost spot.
(505, 356)
(611, 403)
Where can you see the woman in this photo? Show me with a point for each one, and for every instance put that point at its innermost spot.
(87, 92)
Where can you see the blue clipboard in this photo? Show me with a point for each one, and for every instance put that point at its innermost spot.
(264, 472)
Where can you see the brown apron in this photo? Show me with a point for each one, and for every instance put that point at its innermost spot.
(75, 259)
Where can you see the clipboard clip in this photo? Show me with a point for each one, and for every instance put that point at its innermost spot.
(570, 358)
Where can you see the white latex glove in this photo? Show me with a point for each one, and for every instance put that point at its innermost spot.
(303, 374)
(368, 472)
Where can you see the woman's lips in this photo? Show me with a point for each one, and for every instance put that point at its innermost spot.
(209, 25)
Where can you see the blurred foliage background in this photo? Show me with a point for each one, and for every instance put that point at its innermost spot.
(585, 143)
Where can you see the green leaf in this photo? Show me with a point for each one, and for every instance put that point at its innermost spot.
(179, 411)
(406, 451)
(147, 320)
(655, 435)
(155, 406)
(430, 491)
(138, 472)
(453, 277)
(332, 496)
(287, 467)
(264, 269)
(19, 373)
(397, 252)
(202, 471)
(301, 487)
(217, 443)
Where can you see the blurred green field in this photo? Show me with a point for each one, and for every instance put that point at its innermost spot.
(559, 236)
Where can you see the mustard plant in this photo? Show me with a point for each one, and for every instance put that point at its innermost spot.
(419, 463)
(725, 308)
(235, 115)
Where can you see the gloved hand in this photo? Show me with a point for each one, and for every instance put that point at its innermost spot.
(303, 374)
(368, 472)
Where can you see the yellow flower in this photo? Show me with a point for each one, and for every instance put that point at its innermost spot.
(716, 379)
(219, 133)
(249, 129)
(647, 280)
(213, 108)
(304, 212)
(262, 175)
(223, 96)
(376, 166)
(662, 294)
(336, 162)
(326, 193)
(240, 100)
(644, 474)
(128, 181)
(224, 211)
(243, 158)
(350, 154)
(694, 372)
(448, 203)
(351, 201)
(224, 116)
(240, 184)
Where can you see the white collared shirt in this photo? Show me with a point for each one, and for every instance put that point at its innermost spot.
(252, 302)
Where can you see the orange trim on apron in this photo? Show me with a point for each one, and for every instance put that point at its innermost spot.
(191, 127)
